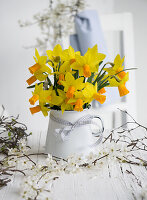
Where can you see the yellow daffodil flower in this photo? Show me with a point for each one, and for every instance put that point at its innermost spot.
(89, 62)
(39, 108)
(117, 68)
(71, 85)
(44, 109)
(39, 69)
(90, 93)
(36, 93)
(41, 62)
(48, 96)
(55, 100)
(55, 55)
(122, 88)
(40, 94)
(44, 96)
(68, 104)
(120, 84)
(78, 101)
(77, 95)
(64, 103)
(68, 56)
(33, 99)
(61, 75)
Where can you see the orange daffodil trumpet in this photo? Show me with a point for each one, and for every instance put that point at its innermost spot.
(39, 70)
(65, 80)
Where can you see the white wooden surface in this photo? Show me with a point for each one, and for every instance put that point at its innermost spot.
(112, 182)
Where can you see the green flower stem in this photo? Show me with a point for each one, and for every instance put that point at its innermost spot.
(49, 81)
(32, 86)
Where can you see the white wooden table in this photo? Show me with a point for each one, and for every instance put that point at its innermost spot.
(114, 182)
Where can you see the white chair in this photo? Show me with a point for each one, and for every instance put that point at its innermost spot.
(121, 25)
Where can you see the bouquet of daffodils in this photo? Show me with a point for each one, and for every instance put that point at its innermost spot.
(65, 80)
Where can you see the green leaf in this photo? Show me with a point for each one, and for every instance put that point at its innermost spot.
(101, 70)
(89, 80)
(99, 78)
(102, 85)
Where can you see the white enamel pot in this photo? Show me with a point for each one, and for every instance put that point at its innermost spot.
(64, 138)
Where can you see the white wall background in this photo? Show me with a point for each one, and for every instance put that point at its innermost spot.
(14, 59)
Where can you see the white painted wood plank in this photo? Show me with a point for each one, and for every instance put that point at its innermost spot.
(107, 183)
